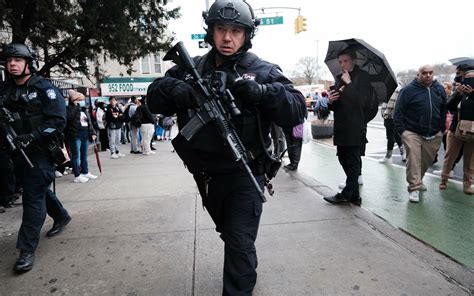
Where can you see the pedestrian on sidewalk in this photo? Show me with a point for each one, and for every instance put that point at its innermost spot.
(147, 127)
(264, 96)
(43, 117)
(420, 116)
(134, 131)
(101, 124)
(294, 146)
(347, 100)
(114, 121)
(392, 136)
(461, 104)
(79, 132)
(450, 93)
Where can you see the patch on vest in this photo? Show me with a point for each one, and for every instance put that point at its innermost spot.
(51, 94)
(249, 76)
(32, 96)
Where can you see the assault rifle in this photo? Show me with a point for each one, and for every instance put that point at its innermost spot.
(6, 118)
(216, 104)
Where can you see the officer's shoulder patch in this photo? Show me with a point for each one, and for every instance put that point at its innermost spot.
(51, 94)
(249, 76)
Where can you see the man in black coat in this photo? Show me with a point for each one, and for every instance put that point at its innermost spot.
(348, 98)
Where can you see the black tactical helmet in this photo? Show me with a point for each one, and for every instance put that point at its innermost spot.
(20, 50)
(237, 12)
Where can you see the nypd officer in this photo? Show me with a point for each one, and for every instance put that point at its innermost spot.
(263, 95)
(41, 113)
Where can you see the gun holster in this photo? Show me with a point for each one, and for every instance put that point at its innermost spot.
(272, 165)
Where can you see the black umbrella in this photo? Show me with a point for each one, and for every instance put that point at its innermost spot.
(462, 61)
(368, 59)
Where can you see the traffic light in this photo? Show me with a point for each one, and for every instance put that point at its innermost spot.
(300, 24)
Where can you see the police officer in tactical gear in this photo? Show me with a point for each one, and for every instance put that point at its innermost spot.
(41, 115)
(263, 95)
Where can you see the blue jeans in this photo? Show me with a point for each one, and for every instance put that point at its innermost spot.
(79, 147)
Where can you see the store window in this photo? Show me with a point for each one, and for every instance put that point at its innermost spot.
(145, 65)
(157, 63)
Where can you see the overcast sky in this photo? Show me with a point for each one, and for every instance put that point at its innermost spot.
(409, 33)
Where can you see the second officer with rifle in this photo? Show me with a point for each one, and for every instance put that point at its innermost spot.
(38, 115)
(262, 95)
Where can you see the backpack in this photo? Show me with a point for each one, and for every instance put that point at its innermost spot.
(135, 120)
(126, 115)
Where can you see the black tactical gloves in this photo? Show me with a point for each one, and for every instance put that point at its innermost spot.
(249, 91)
(23, 140)
(184, 96)
(169, 95)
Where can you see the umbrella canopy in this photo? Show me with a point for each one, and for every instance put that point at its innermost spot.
(368, 59)
(462, 61)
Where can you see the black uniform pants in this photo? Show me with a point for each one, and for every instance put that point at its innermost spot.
(38, 199)
(350, 160)
(294, 147)
(235, 207)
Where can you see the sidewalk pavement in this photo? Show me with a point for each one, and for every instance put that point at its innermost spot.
(140, 229)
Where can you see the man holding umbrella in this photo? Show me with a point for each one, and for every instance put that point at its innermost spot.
(347, 99)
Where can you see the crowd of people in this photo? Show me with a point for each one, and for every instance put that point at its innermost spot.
(116, 124)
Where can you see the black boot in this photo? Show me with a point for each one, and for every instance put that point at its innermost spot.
(58, 227)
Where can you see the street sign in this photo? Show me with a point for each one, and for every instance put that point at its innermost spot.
(276, 20)
(197, 36)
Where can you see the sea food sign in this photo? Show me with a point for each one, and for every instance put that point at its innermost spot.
(125, 87)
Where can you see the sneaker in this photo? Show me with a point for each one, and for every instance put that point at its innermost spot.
(90, 176)
(65, 173)
(120, 154)
(414, 196)
(152, 152)
(58, 174)
(80, 179)
(385, 160)
(114, 156)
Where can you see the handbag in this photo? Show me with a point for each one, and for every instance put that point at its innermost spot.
(465, 131)
(465, 128)
(298, 130)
